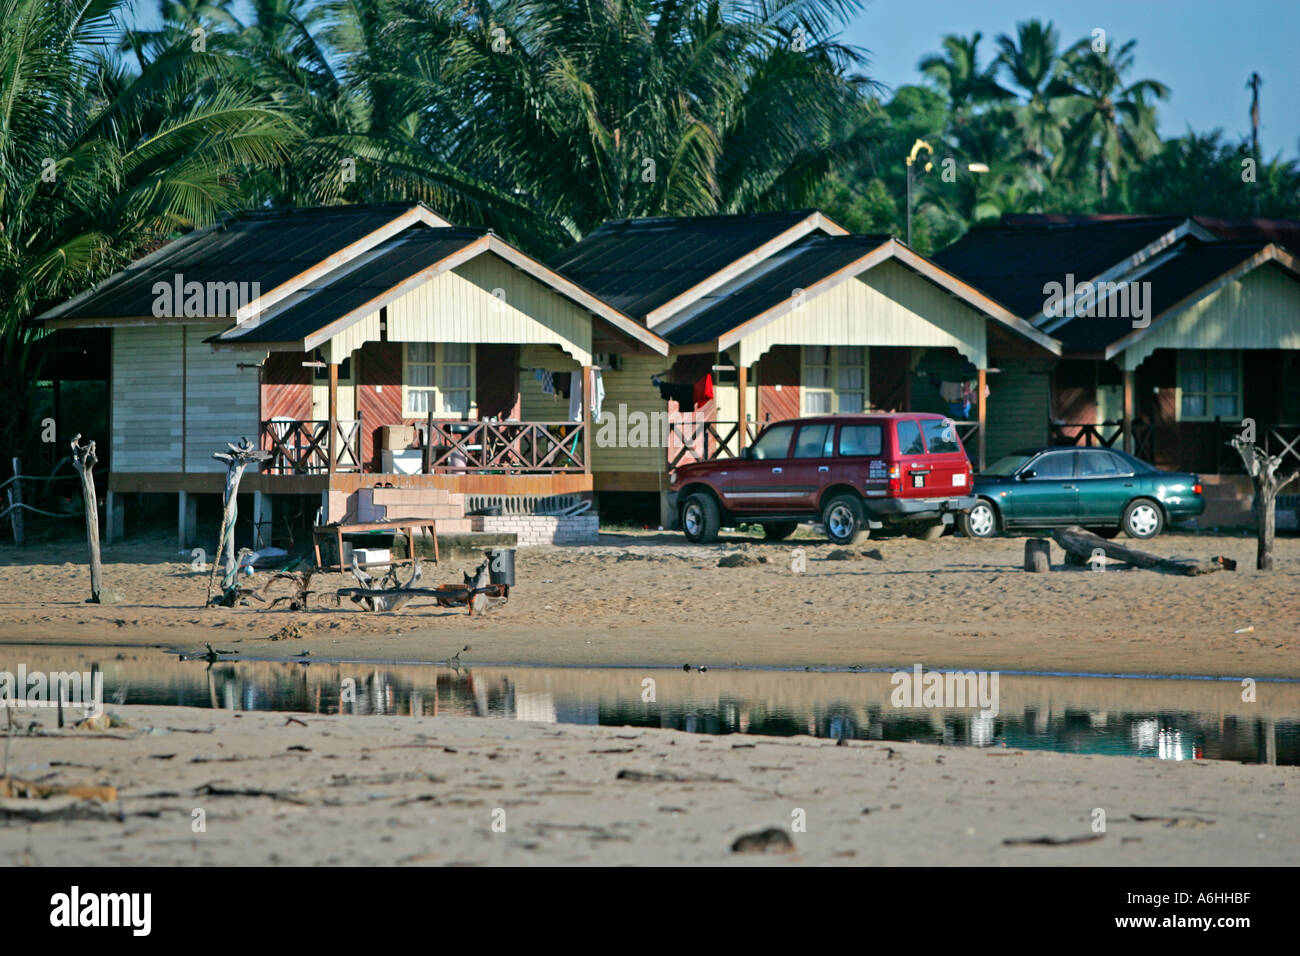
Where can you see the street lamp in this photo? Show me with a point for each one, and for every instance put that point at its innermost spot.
(919, 145)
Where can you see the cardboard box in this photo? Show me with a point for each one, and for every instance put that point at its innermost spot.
(396, 437)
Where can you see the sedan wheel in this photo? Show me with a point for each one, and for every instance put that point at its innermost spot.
(1142, 519)
(980, 522)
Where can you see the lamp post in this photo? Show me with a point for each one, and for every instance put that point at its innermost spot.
(919, 145)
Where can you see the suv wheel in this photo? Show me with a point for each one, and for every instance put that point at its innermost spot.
(779, 530)
(980, 522)
(926, 532)
(1142, 519)
(844, 519)
(700, 518)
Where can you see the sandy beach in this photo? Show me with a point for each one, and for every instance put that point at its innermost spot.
(647, 599)
(311, 790)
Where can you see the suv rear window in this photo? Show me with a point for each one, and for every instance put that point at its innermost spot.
(860, 439)
(909, 438)
(814, 441)
(941, 436)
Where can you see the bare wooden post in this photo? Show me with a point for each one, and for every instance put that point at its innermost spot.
(1038, 555)
(1128, 411)
(237, 459)
(83, 460)
(426, 459)
(587, 393)
(15, 492)
(742, 379)
(1262, 468)
(334, 418)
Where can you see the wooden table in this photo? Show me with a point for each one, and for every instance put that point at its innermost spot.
(407, 525)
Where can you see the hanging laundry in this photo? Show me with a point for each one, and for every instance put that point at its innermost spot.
(683, 395)
(562, 382)
(546, 380)
(703, 391)
(597, 393)
(575, 399)
(950, 391)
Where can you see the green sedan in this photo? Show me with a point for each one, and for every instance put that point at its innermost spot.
(1101, 489)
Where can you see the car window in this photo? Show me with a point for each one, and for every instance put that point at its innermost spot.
(941, 436)
(814, 441)
(909, 438)
(774, 443)
(1006, 467)
(860, 439)
(1097, 464)
(1122, 465)
(1058, 464)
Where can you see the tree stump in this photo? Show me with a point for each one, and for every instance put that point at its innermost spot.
(1038, 555)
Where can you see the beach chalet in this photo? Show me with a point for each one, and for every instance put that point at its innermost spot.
(386, 360)
(1174, 330)
(789, 316)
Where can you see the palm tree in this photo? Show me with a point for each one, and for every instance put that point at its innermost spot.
(587, 110)
(98, 163)
(1034, 64)
(958, 74)
(1112, 123)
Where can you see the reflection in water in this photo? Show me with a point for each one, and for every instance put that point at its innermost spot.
(1166, 719)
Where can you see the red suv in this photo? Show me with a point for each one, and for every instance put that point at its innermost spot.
(854, 472)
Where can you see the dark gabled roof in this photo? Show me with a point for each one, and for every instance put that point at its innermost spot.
(1285, 232)
(1011, 262)
(637, 265)
(269, 247)
(771, 282)
(1192, 265)
(352, 285)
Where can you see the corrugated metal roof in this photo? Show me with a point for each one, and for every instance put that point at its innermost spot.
(352, 285)
(269, 247)
(1012, 263)
(1191, 266)
(636, 265)
(770, 283)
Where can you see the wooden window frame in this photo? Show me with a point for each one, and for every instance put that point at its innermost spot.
(1209, 392)
(833, 377)
(438, 364)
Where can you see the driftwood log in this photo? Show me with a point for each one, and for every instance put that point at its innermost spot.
(83, 460)
(236, 459)
(1264, 471)
(385, 595)
(1084, 545)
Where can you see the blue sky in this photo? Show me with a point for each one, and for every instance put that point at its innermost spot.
(1204, 50)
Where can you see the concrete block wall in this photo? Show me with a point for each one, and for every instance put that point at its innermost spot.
(541, 529)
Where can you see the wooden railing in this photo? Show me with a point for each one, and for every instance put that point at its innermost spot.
(1090, 435)
(705, 441)
(301, 447)
(1281, 439)
(454, 447)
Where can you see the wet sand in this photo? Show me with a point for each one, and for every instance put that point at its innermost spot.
(311, 790)
(653, 600)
